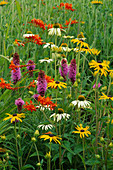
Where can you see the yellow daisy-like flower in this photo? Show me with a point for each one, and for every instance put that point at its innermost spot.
(96, 2)
(106, 97)
(86, 50)
(81, 35)
(100, 67)
(95, 51)
(55, 84)
(15, 117)
(51, 137)
(80, 42)
(3, 3)
(82, 131)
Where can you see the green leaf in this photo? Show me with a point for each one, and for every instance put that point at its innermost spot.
(18, 9)
(68, 149)
(92, 161)
(27, 166)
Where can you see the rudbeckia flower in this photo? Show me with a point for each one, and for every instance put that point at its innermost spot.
(55, 84)
(96, 2)
(2, 3)
(82, 131)
(51, 137)
(55, 30)
(94, 51)
(80, 42)
(106, 97)
(81, 102)
(15, 117)
(100, 67)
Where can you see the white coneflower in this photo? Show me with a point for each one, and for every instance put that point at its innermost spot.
(45, 126)
(68, 36)
(81, 102)
(60, 115)
(27, 35)
(46, 60)
(65, 47)
(56, 30)
(49, 45)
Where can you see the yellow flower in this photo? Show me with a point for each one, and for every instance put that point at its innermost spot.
(51, 137)
(100, 67)
(81, 35)
(111, 15)
(95, 51)
(106, 97)
(82, 131)
(86, 50)
(3, 3)
(55, 84)
(96, 2)
(15, 117)
(81, 42)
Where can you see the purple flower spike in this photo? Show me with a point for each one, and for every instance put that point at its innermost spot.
(16, 59)
(35, 96)
(72, 71)
(42, 83)
(63, 70)
(19, 102)
(30, 68)
(16, 75)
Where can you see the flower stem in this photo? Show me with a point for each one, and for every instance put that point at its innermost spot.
(28, 154)
(84, 152)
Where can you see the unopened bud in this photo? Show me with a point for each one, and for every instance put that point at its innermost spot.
(48, 155)
(3, 137)
(78, 80)
(69, 96)
(75, 84)
(36, 133)
(101, 139)
(71, 105)
(61, 78)
(31, 92)
(110, 145)
(18, 136)
(33, 139)
(78, 75)
(104, 88)
(38, 164)
(97, 156)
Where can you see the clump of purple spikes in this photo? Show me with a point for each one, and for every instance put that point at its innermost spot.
(42, 83)
(31, 67)
(19, 102)
(63, 70)
(72, 71)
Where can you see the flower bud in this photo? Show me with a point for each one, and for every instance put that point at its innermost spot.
(36, 133)
(78, 80)
(31, 92)
(97, 156)
(3, 137)
(68, 97)
(38, 164)
(104, 88)
(33, 139)
(61, 78)
(101, 139)
(48, 155)
(71, 105)
(78, 75)
(110, 145)
(75, 84)
(18, 136)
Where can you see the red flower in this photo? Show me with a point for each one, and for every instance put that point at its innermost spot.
(32, 84)
(72, 22)
(38, 22)
(3, 84)
(18, 42)
(13, 66)
(35, 39)
(48, 78)
(30, 106)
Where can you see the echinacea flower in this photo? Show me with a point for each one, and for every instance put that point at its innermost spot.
(49, 45)
(65, 47)
(28, 35)
(47, 60)
(19, 102)
(51, 137)
(81, 102)
(60, 115)
(106, 97)
(72, 71)
(30, 67)
(68, 36)
(2, 3)
(42, 83)
(96, 2)
(63, 70)
(45, 126)
(82, 131)
(15, 117)
(55, 84)
(56, 30)
(100, 67)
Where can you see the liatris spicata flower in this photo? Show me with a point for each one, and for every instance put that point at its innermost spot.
(31, 67)
(16, 74)
(19, 102)
(63, 70)
(35, 96)
(72, 71)
(42, 83)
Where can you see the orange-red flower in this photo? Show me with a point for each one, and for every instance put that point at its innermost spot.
(67, 6)
(38, 22)
(3, 84)
(30, 106)
(32, 84)
(72, 22)
(12, 66)
(18, 42)
(47, 101)
(35, 39)
(48, 78)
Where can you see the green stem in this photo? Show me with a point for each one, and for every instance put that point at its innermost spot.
(60, 146)
(55, 57)
(84, 152)
(17, 146)
(28, 154)
(37, 152)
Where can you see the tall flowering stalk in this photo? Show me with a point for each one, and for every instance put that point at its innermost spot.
(31, 67)
(42, 83)
(72, 71)
(63, 70)
(16, 74)
(19, 102)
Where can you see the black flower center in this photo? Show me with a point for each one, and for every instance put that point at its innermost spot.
(57, 82)
(51, 135)
(100, 66)
(82, 130)
(14, 114)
